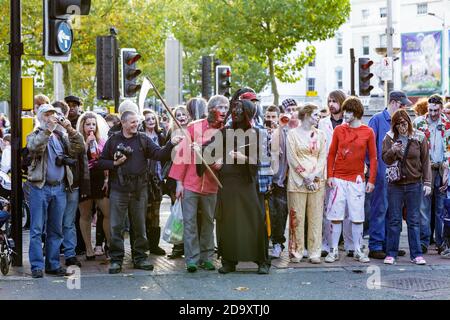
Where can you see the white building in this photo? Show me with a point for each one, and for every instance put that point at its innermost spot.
(365, 31)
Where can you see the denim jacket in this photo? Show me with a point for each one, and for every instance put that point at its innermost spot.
(37, 145)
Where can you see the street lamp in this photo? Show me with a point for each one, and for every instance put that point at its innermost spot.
(445, 67)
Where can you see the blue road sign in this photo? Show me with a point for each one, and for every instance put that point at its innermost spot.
(65, 37)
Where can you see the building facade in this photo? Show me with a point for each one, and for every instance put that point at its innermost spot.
(420, 41)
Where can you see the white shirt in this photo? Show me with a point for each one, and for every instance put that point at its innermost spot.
(5, 165)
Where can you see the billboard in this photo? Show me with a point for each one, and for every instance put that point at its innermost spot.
(422, 63)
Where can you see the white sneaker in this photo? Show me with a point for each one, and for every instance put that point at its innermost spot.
(315, 260)
(276, 251)
(98, 251)
(332, 256)
(305, 253)
(295, 257)
(361, 257)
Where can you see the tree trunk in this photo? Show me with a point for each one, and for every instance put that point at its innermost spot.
(66, 79)
(273, 82)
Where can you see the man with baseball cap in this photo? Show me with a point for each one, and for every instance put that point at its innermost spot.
(50, 175)
(381, 124)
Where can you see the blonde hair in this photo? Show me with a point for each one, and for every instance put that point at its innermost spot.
(173, 125)
(41, 99)
(99, 134)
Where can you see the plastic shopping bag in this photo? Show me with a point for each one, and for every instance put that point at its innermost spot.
(173, 231)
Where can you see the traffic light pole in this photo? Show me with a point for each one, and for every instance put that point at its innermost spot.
(16, 51)
(352, 72)
(116, 74)
(389, 85)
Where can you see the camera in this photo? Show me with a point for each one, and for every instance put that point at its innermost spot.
(60, 118)
(64, 160)
(268, 124)
(122, 151)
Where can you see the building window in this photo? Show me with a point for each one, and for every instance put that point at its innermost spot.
(383, 12)
(311, 84)
(365, 14)
(383, 41)
(339, 82)
(422, 8)
(365, 45)
(312, 63)
(339, 44)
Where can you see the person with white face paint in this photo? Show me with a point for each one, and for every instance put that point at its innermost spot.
(306, 154)
(345, 170)
(327, 125)
(436, 128)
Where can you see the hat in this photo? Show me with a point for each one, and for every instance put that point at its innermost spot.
(73, 99)
(128, 105)
(289, 103)
(400, 96)
(46, 108)
(249, 96)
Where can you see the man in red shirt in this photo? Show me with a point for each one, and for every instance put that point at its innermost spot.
(348, 149)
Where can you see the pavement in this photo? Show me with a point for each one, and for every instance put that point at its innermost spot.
(344, 279)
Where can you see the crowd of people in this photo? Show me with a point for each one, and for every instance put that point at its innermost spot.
(242, 174)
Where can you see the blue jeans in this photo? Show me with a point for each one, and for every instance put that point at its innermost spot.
(408, 195)
(425, 212)
(378, 210)
(69, 230)
(47, 206)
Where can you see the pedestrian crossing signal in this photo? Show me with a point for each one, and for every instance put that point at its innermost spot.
(130, 72)
(364, 76)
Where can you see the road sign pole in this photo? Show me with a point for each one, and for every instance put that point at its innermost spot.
(352, 72)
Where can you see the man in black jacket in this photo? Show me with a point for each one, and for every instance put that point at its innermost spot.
(125, 156)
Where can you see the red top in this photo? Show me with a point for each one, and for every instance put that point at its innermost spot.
(348, 151)
(184, 168)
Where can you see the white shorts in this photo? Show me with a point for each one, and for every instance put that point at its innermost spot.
(347, 197)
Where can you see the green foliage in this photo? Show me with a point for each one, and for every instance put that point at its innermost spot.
(252, 36)
(266, 31)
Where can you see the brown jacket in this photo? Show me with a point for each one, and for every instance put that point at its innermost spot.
(417, 166)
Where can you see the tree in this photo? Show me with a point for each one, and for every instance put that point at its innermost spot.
(197, 42)
(268, 31)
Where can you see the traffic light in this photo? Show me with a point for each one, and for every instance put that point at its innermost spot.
(106, 63)
(223, 80)
(129, 57)
(364, 76)
(58, 33)
(206, 64)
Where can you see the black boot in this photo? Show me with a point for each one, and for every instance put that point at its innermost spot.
(177, 251)
(153, 234)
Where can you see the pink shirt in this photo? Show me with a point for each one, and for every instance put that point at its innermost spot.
(184, 167)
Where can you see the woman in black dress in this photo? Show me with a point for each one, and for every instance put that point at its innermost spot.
(241, 230)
